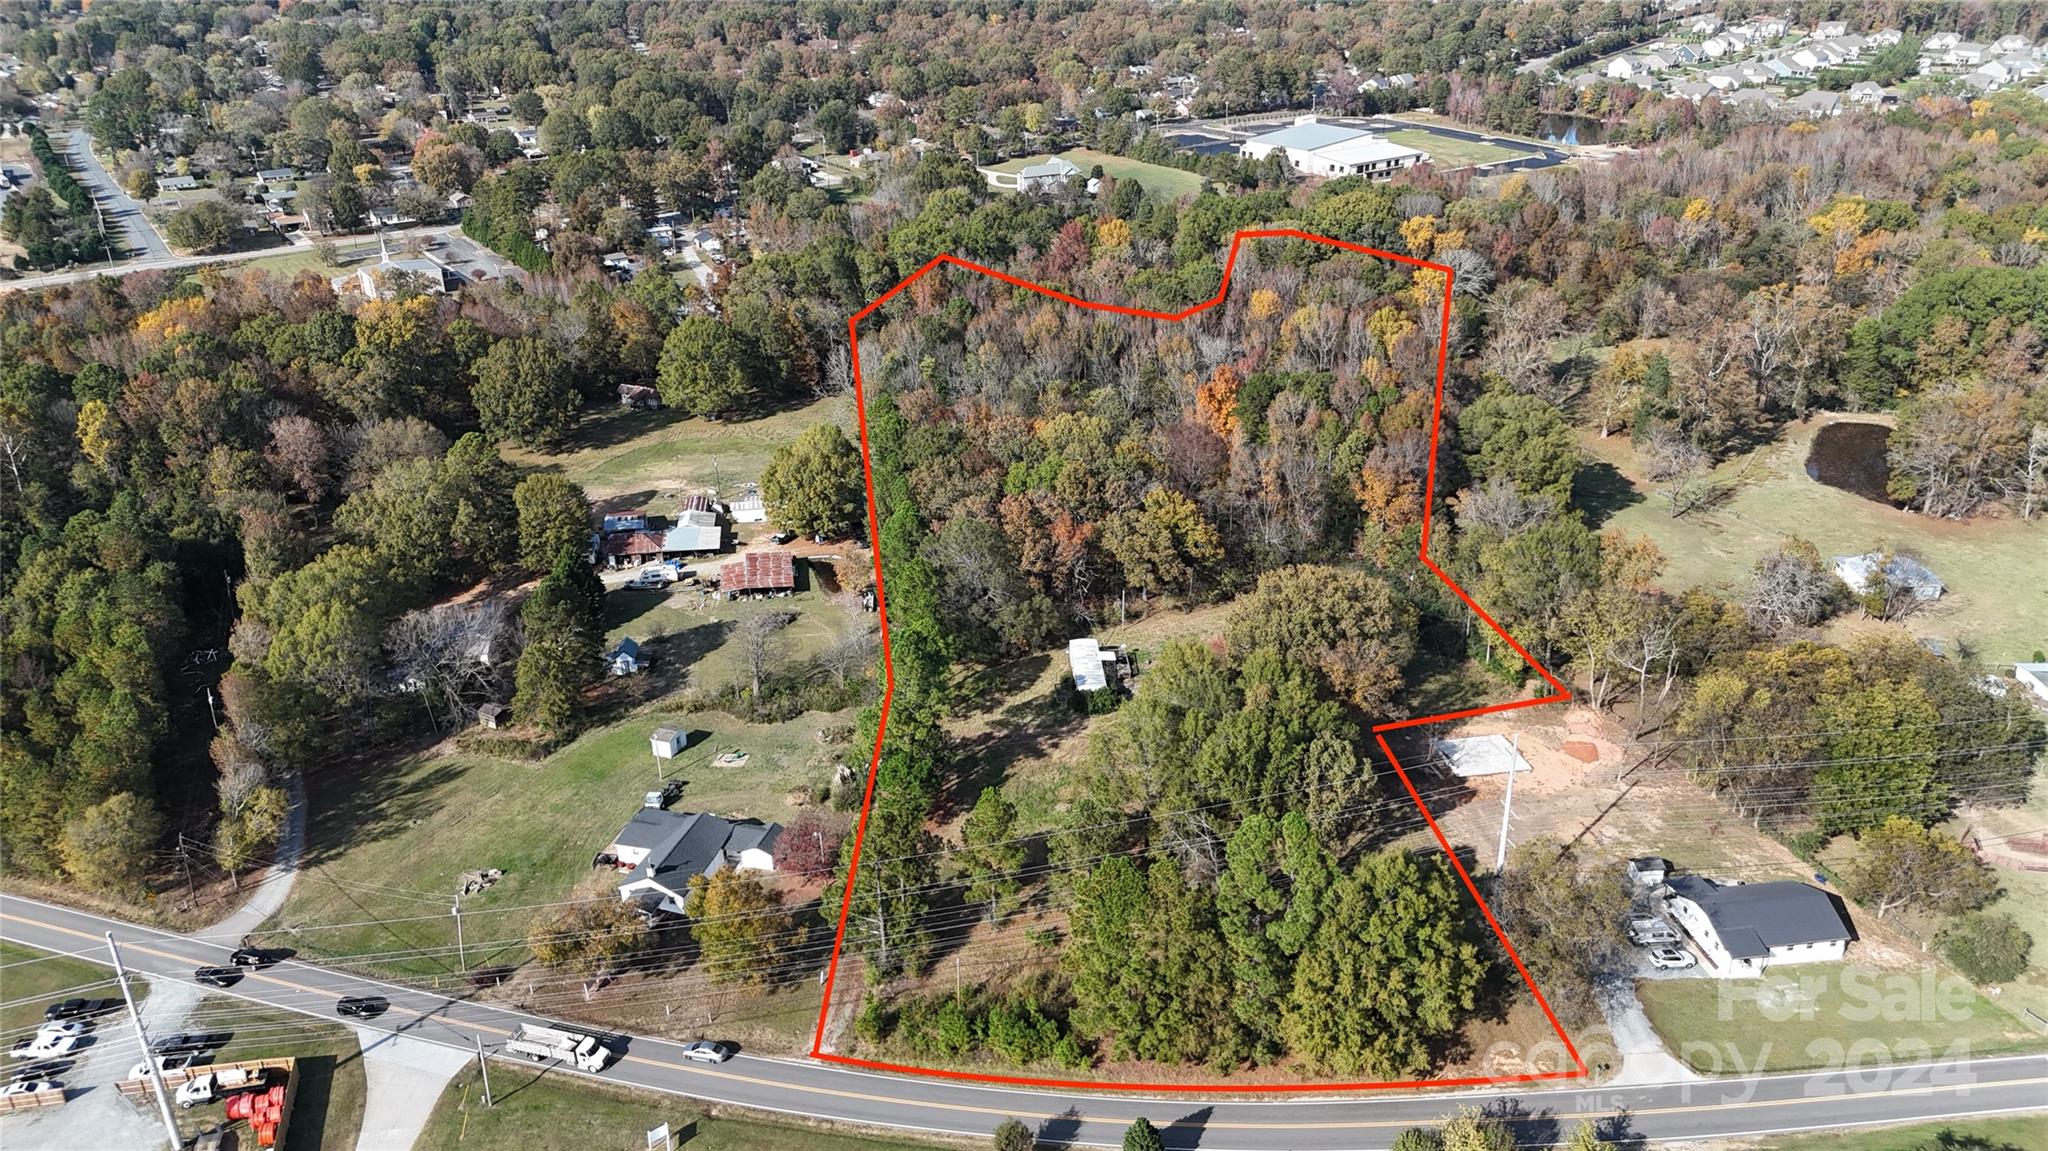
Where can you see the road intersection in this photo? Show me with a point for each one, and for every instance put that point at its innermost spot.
(804, 1088)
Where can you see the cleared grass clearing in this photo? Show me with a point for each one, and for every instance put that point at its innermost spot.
(1990, 604)
(628, 459)
(1160, 181)
(1451, 152)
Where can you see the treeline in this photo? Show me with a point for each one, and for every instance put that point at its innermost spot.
(185, 436)
(56, 223)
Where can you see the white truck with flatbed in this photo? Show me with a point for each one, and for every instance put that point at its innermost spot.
(210, 1086)
(543, 1044)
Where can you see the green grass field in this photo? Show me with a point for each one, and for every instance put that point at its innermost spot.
(387, 849)
(1160, 181)
(536, 1111)
(31, 980)
(1989, 605)
(1827, 1015)
(2014, 1133)
(633, 459)
(1449, 152)
(327, 1113)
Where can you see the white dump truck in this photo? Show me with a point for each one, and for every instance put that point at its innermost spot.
(542, 1044)
(211, 1085)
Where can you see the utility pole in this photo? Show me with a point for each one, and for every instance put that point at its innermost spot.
(156, 1074)
(461, 954)
(1507, 808)
(483, 1066)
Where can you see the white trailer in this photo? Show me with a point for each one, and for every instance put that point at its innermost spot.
(542, 1044)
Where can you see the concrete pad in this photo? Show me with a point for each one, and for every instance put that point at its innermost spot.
(405, 1079)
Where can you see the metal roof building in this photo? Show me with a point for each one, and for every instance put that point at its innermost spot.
(1743, 928)
(1318, 149)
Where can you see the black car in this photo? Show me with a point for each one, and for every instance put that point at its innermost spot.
(252, 957)
(218, 976)
(180, 1042)
(79, 1009)
(362, 1006)
(41, 1069)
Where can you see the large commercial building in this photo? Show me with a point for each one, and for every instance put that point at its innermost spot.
(1314, 148)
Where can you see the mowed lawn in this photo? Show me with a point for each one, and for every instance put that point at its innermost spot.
(31, 980)
(1992, 603)
(1450, 152)
(327, 1113)
(698, 627)
(626, 459)
(388, 849)
(2007, 1133)
(1160, 181)
(542, 1111)
(1827, 1015)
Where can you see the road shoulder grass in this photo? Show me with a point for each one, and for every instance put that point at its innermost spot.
(541, 1111)
(2007, 1133)
(1827, 1016)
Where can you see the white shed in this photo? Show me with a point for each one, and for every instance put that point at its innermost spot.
(669, 742)
(1092, 663)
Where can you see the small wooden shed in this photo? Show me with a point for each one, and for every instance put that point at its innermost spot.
(492, 715)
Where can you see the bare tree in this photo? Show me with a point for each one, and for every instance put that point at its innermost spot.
(1501, 506)
(300, 454)
(763, 644)
(453, 655)
(1523, 317)
(1792, 587)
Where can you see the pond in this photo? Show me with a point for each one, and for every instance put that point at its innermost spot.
(1851, 456)
(1560, 128)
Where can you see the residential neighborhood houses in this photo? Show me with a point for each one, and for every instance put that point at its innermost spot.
(1782, 66)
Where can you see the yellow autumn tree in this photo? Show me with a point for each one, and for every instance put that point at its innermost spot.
(98, 432)
(1427, 288)
(1417, 232)
(171, 319)
(1112, 235)
(1387, 326)
(1265, 305)
(1699, 208)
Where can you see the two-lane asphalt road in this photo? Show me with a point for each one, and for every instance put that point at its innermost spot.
(124, 216)
(1718, 1109)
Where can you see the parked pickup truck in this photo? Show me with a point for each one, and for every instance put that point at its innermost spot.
(543, 1044)
(210, 1086)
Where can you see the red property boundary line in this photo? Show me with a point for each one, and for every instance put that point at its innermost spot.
(1558, 695)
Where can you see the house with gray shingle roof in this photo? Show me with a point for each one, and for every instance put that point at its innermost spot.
(1743, 928)
(660, 851)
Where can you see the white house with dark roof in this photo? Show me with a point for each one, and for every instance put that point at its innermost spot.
(1317, 149)
(1044, 175)
(661, 851)
(1745, 928)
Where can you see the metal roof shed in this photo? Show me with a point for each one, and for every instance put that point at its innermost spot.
(1478, 755)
